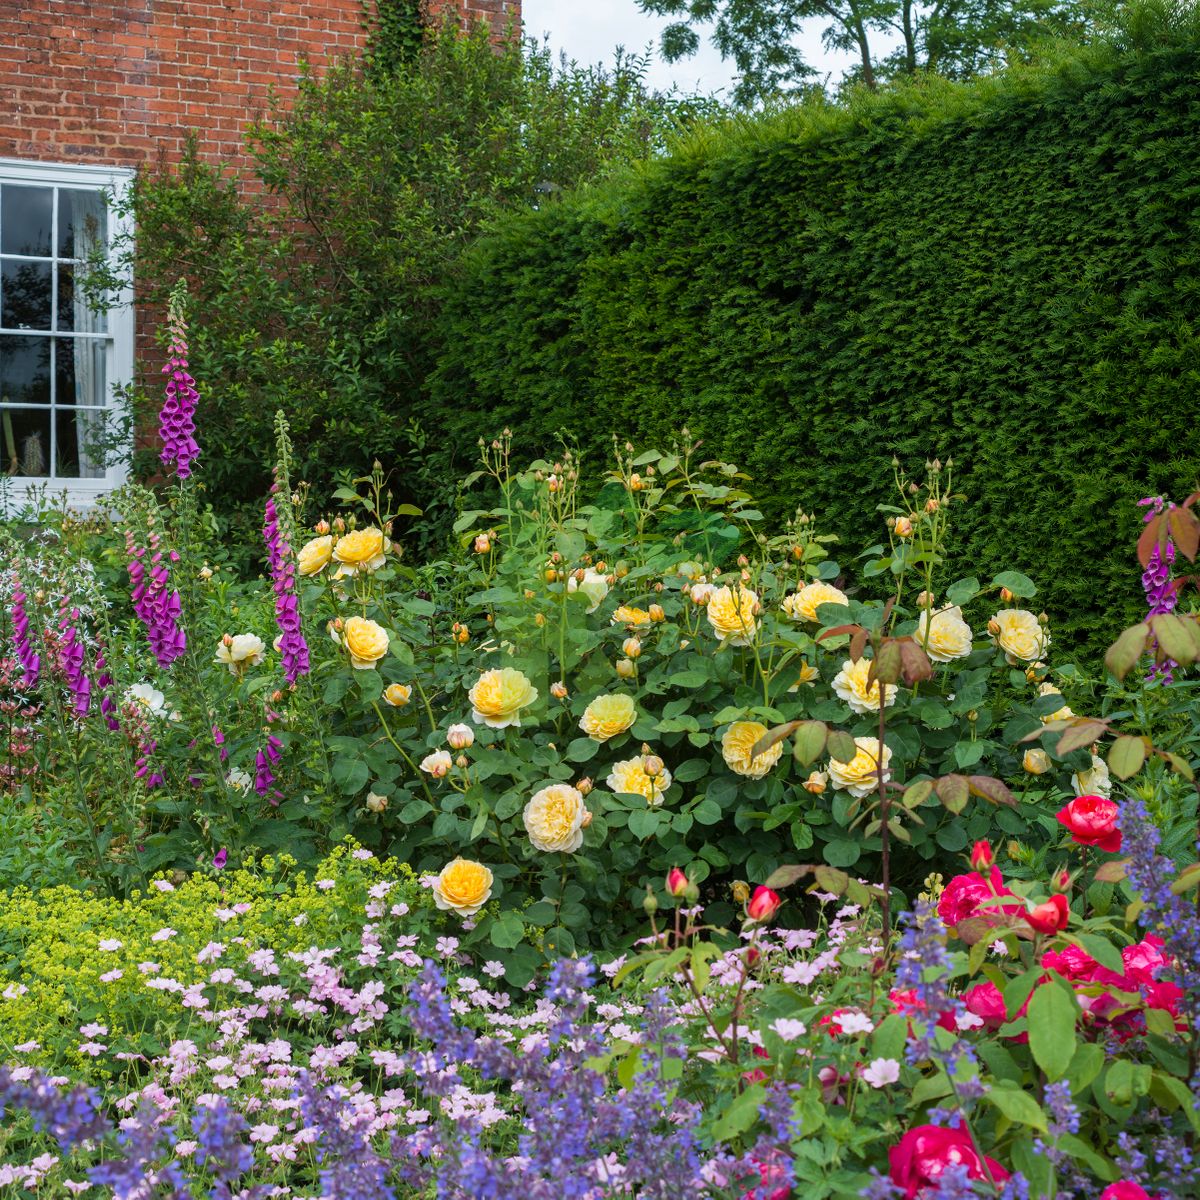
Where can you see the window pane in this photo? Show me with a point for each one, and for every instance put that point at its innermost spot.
(82, 438)
(25, 439)
(25, 370)
(82, 223)
(74, 311)
(24, 219)
(80, 371)
(25, 295)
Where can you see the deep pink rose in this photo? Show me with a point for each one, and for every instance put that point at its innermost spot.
(1126, 1189)
(1143, 960)
(909, 1002)
(923, 1154)
(987, 1003)
(1080, 967)
(1092, 821)
(965, 893)
(771, 1174)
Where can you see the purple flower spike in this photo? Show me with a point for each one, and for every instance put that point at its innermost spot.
(293, 649)
(221, 858)
(177, 419)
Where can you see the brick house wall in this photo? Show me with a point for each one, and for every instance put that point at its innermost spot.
(93, 88)
(119, 83)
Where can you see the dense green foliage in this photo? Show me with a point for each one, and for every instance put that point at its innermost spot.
(1001, 272)
(315, 269)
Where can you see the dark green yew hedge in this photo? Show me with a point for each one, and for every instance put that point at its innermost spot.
(1007, 273)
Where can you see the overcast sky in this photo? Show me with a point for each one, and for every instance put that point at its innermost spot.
(589, 31)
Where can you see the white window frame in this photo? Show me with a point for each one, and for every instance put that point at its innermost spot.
(18, 490)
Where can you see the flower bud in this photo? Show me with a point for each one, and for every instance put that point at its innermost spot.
(657, 613)
(539, 620)
(932, 505)
(816, 782)
(1062, 880)
(972, 715)
(321, 527)
(459, 737)
(658, 587)
(1051, 916)
(625, 668)
(462, 762)
(635, 482)
(650, 903)
(653, 765)
(763, 905)
(528, 593)
(993, 627)
(904, 527)
(551, 575)
(1036, 762)
(632, 647)
(1043, 619)
(981, 855)
(925, 600)
(743, 561)
(464, 635)
(206, 572)
(621, 570)
(677, 882)
(584, 786)
(227, 639)
(741, 891)
(1006, 595)
(558, 690)
(752, 956)
(376, 803)
(339, 524)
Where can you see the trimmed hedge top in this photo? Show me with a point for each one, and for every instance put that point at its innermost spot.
(1003, 272)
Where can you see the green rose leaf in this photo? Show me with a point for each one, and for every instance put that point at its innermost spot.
(1020, 585)
(507, 931)
(1052, 1014)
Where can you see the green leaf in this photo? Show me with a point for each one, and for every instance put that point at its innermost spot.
(1102, 950)
(1020, 585)
(707, 812)
(1126, 756)
(1017, 1106)
(1122, 656)
(964, 590)
(582, 749)
(1052, 1014)
(808, 741)
(741, 1113)
(507, 931)
(842, 853)
(1086, 1063)
(350, 774)
(541, 913)
(841, 746)
(690, 770)
(643, 823)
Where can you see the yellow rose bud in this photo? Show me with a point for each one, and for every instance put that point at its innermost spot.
(584, 786)
(1006, 595)
(558, 690)
(816, 782)
(376, 803)
(587, 820)
(366, 641)
(653, 765)
(551, 575)
(1036, 762)
(657, 613)
(740, 890)
(397, 694)
(321, 527)
(904, 527)
(632, 647)
(625, 668)
(539, 620)
(932, 505)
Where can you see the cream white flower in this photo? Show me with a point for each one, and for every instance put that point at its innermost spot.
(239, 780)
(1019, 634)
(1095, 781)
(850, 683)
(460, 737)
(239, 652)
(149, 698)
(860, 776)
(437, 764)
(593, 585)
(629, 778)
(949, 636)
(554, 819)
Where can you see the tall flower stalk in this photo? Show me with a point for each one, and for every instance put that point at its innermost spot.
(177, 418)
(1160, 592)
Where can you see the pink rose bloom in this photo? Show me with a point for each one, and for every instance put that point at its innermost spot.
(1144, 960)
(1126, 1189)
(909, 1002)
(771, 1174)
(987, 1003)
(965, 893)
(1092, 821)
(923, 1154)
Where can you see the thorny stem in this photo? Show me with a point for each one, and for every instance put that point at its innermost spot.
(884, 840)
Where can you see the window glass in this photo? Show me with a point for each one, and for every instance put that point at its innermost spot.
(26, 219)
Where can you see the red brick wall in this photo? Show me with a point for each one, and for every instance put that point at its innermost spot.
(119, 82)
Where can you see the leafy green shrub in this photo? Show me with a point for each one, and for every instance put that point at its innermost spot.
(998, 272)
(317, 269)
(68, 958)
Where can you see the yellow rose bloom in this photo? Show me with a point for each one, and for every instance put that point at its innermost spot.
(593, 585)
(361, 550)
(314, 556)
(860, 776)
(241, 651)
(1036, 762)
(1059, 714)
(739, 740)
(397, 694)
(498, 697)
(803, 605)
(629, 778)
(608, 716)
(1017, 632)
(949, 636)
(554, 819)
(463, 886)
(850, 683)
(731, 614)
(808, 676)
(366, 641)
(627, 614)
